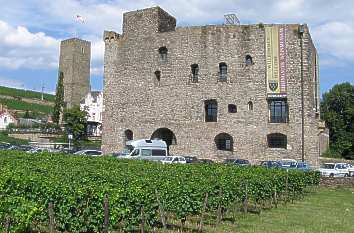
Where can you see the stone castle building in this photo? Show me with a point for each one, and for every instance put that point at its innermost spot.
(215, 91)
(74, 63)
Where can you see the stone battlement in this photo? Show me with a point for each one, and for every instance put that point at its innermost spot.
(147, 21)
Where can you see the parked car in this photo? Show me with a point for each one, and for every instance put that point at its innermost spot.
(4, 146)
(125, 152)
(271, 164)
(38, 150)
(24, 147)
(288, 163)
(205, 161)
(351, 170)
(239, 162)
(174, 159)
(89, 152)
(191, 159)
(146, 149)
(334, 170)
(303, 166)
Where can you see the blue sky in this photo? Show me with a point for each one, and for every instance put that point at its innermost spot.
(31, 30)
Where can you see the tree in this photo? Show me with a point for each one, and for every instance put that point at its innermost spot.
(59, 99)
(75, 123)
(27, 115)
(337, 109)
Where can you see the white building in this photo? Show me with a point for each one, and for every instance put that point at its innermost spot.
(93, 105)
(5, 119)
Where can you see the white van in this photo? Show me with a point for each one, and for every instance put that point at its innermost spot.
(146, 149)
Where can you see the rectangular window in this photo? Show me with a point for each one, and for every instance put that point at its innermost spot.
(278, 111)
(146, 152)
(195, 70)
(211, 111)
(158, 153)
(277, 140)
(228, 144)
(222, 72)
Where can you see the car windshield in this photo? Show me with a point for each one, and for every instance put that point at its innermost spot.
(328, 166)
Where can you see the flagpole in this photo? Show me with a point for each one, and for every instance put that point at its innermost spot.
(79, 19)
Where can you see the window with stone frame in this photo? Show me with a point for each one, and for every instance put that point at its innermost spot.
(163, 54)
(232, 108)
(278, 110)
(277, 140)
(194, 73)
(224, 141)
(248, 60)
(222, 72)
(158, 75)
(250, 106)
(211, 111)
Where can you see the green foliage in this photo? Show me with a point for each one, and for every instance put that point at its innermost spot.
(337, 109)
(76, 186)
(59, 99)
(25, 106)
(75, 123)
(19, 93)
(331, 153)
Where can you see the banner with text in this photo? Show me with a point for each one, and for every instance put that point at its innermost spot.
(276, 61)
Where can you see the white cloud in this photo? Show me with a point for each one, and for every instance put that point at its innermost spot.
(336, 40)
(9, 82)
(22, 49)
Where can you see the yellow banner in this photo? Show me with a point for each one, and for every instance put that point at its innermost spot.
(276, 60)
(272, 58)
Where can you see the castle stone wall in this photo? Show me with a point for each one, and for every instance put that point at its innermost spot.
(134, 99)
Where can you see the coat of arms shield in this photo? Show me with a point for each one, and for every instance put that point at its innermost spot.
(273, 85)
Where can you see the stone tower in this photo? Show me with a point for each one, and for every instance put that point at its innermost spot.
(74, 62)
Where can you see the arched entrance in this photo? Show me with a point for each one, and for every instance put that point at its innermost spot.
(165, 134)
(128, 134)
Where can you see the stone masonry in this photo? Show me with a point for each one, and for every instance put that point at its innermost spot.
(74, 62)
(146, 95)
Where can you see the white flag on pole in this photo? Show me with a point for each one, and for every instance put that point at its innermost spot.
(80, 19)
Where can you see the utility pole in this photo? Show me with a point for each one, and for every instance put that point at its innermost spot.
(42, 97)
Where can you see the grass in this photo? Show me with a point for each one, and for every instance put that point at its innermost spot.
(325, 211)
(24, 106)
(25, 94)
(14, 141)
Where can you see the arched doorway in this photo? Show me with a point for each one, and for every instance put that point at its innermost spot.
(128, 134)
(165, 134)
(224, 141)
